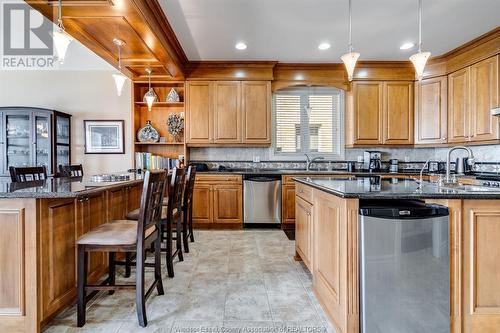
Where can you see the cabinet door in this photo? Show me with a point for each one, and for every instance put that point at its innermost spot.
(133, 197)
(256, 112)
(18, 139)
(431, 111)
(199, 112)
(91, 213)
(458, 106)
(303, 230)
(367, 112)
(398, 113)
(227, 203)
(227, 112)
(3, 155)
(481, 267)
(57, 239)
(288, 205)
(43, 141)
(117, 202)
(484, 97)
(202, 203)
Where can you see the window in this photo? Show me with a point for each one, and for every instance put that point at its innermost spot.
(309, 120)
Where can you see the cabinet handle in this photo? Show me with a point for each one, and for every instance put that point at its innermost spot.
(308, 213)
(301, 191)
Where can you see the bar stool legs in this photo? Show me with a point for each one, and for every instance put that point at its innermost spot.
(82, 282)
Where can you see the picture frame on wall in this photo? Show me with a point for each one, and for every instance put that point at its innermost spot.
(104, 136)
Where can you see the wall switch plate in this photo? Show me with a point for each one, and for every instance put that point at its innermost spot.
(256, 159)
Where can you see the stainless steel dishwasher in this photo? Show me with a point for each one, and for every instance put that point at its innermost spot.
(404, 267)
(261, 199)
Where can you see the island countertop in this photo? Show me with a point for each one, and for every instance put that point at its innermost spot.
(53, 188)
(379, 188)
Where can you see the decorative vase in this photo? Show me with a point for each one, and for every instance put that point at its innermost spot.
(148, 133)
(173, 96)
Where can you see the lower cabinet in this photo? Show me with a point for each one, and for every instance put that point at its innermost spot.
(218, 199)
(287, 206)
(303, 230)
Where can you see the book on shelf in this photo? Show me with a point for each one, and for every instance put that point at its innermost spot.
(148, 161)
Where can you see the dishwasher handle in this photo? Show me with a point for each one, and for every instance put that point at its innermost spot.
(261, 179)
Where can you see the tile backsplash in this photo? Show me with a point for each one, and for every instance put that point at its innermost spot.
(487, 157)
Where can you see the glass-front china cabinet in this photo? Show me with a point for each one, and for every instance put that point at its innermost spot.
(34, 137)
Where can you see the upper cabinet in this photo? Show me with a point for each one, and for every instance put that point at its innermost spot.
(431, 111)
(256, 112)
(380, 113)
(199, 115)
(228, 113)
(483, 98)
(472, 93)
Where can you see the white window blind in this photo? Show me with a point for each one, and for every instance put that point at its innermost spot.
(309, 120)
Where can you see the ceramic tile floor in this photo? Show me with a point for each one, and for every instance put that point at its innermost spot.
(230, 282)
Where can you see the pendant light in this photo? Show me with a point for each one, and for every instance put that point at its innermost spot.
(150, 95)
(350, 58)
(118, 76)
(420, 59)
(61, 37)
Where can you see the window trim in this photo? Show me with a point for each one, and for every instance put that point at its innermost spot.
(299, 156)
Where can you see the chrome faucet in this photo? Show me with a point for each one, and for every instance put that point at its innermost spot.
(470, 161)
(310, 161)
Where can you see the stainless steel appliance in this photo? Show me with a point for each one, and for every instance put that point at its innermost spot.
(261, 199)
(404, 267)
(372, 160)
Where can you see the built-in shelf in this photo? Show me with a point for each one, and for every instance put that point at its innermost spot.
(160, 143)
(162, 103)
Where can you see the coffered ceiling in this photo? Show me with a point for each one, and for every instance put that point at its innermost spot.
(291, 30)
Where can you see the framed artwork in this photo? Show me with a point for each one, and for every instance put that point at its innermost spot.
(104, 137)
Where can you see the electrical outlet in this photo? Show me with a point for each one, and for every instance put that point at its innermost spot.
(256, 159)
(360, 159)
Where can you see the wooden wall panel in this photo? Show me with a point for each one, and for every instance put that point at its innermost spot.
(12, 242)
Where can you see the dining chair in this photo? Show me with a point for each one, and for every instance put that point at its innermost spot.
(187, 208)
(68, 170)
(25, 174)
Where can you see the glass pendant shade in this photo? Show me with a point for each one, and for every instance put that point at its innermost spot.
(150, 98)
(61, 43)
(120, 82)
(349, 60)
(419, 60)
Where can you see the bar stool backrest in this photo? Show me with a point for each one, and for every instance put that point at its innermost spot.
(151, 202)
(26, 174)
(71, 170)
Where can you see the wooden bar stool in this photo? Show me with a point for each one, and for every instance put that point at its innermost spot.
(71, 170)
(26, 174)
(187, 208)
(130, 237)
(171, 216)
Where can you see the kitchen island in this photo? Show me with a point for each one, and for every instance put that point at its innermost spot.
(41, 222)
(328, 242)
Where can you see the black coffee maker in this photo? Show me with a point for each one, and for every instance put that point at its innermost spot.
(372, 161)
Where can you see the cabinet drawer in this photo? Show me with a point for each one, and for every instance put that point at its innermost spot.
(223, 178)
(288, 179)
(304, 192)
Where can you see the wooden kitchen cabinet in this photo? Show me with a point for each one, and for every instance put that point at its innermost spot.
(472, 93)
(367, 113)
(199, 112)
(398, 113)
(303, 230)
(256, 112)
(431, 107)
(380, 113)
(287, 206)
(481, 267)
(458, 106)
(218, 199)
(227, 112)
(227, 203)
(484, 97)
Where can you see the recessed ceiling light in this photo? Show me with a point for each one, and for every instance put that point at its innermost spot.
(407, 46)
(241, 46)
(324, 46)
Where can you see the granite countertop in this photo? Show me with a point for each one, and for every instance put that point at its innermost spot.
(304, 172)
(376, 188)
(59, 187)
